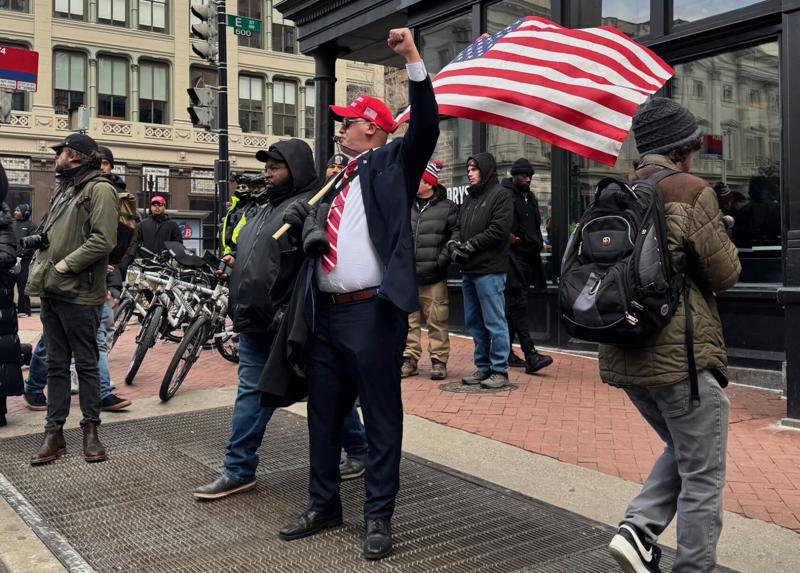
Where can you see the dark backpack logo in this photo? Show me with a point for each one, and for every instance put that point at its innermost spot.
(606, 241)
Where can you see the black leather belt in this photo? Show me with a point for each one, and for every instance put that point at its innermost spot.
(355, 296)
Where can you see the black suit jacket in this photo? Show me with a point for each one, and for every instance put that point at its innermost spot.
(390, 178)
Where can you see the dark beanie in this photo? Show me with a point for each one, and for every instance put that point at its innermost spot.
(661, 125)
(522, 167)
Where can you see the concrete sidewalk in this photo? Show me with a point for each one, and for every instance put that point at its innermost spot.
(561, 436)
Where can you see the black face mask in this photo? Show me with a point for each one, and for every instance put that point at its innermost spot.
(68, 173)
(278, 193)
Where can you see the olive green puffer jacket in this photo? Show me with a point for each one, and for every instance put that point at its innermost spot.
(698, 245)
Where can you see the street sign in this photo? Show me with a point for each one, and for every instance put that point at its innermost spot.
(18, 69)
(244, 26)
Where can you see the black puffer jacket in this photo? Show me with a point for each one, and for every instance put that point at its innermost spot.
(526, 259)
(434, 222)
(265, 270)
(485, 220)
(10, 368)
(153, 232)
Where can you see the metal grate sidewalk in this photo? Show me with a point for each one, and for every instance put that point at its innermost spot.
(134, 513)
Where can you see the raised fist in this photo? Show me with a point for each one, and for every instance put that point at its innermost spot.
(401, 40)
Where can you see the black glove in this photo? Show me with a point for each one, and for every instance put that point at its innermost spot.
(296, 213)
(315, 241)
(462, 252)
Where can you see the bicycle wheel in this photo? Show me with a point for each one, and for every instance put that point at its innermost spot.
(226, 341)
(146, 339)
(184, 357)
(122, 315)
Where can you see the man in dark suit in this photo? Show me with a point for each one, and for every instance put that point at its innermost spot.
(362, 290)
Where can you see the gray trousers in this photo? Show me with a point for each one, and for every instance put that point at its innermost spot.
(689, 477)
(70, 330)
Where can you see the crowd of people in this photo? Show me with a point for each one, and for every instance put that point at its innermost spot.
(332, 309)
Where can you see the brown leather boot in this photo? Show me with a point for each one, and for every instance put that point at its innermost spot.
(93, 449)
(52, 447)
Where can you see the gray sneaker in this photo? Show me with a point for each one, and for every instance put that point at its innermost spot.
(476, 378)
(496, 380)
(351, 468)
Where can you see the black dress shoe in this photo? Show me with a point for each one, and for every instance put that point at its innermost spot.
(221, 487)
(378, 539)
(535, 362)
(309, 523)
(515, 361)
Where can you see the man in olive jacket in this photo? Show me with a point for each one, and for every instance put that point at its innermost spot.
(690, 474)
(69, 275)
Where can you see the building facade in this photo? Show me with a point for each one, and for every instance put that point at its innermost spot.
(130, 63)
(734, 69)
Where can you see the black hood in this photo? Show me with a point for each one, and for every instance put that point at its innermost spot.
(488, 169)
(3, 184)
(508, 183)
(300, 160)
(117, 181)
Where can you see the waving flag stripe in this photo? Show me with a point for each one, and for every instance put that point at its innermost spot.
(577, 89)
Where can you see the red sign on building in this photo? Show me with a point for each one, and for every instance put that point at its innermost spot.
(18, 69)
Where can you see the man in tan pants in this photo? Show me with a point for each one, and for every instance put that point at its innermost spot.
(434, 223)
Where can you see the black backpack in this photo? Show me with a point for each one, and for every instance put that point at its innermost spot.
(617, 283)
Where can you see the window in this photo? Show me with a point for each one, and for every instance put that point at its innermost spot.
(251, 104)
(72, 9)
(752, 155)
(310, 110)
(112, 87)
(727, 92)
(70, 81)
(202, 181)
(629, 16)
(113, 12)
(119, 169)
(15, 5)
(284, 108)
(698, 89)
(208, 77)
(283, 38)
(355, 90)
(155, 180)
(153, 15)
(693, 10)
(250, 9)
(153, 85)
(18, 170)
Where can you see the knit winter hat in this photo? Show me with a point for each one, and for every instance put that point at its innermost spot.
(431, 174)
(522, 167)
(661, 125)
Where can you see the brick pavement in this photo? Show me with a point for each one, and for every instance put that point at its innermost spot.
(564, 412)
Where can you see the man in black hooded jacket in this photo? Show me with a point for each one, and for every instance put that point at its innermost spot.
(525, 264)
(261, 284)
(485, 222)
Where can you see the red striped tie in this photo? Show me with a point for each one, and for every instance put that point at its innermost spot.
(328, 260)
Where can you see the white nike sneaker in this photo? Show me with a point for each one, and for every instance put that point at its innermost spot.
(632, 553)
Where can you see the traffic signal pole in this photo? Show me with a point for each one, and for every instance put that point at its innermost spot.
(222, 166)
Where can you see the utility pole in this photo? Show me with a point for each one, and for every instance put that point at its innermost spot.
(221, 167)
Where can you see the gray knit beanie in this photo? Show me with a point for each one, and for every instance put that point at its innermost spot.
(661, 125)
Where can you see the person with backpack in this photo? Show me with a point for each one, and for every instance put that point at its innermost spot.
(485, 221)
(23, 227)
(525, 265)
(675, 369)
(69, 275)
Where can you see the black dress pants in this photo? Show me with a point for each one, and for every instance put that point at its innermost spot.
(517, 318)
(23, 300)
(356, 350)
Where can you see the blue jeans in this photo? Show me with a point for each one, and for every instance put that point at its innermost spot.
(37, 372)
(354, 438)
(249, 418)
(484, 313)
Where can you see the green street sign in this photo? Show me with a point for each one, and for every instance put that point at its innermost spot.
(244, 26)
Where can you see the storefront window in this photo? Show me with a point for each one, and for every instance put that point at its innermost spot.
(691, 10)
(440, 44)
(629, 16)
(741, 116)
(507, 145)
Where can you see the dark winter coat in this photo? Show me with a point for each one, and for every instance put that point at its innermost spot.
(10, 367)
(485, 220)
(525, 259)
(434, 222)
(265, 270)
(24, 228)
(153, 232)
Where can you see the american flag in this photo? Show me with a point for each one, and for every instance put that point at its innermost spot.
(577, 89)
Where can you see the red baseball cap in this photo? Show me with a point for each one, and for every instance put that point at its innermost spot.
(367, 107)
(158, 199)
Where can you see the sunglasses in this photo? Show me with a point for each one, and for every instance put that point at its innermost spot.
(348, 121)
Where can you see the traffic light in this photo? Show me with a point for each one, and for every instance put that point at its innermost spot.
(206, 30)
(201, 111)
